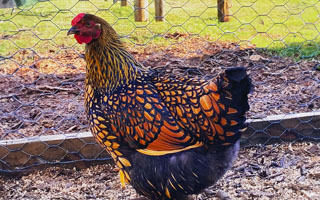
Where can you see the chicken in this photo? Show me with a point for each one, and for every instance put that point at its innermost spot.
(169, 136)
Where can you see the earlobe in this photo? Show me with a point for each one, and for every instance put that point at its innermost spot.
(98, 30)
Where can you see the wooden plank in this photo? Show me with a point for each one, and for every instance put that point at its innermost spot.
(224, 10)
(38, 151)
(282, 128)
(43, 151)
(159, 10)
(140, 10)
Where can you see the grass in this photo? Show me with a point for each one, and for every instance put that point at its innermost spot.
(285, 29)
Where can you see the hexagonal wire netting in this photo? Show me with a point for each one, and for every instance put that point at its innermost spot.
(42, 70)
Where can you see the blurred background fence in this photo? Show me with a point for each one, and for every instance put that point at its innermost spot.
(42, 120)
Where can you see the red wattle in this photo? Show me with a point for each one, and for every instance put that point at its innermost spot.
(83, 39)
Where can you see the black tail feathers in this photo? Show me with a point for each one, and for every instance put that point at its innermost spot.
(236, 73)
(236, 86)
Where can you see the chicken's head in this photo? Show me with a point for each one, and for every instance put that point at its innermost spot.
(84, 28)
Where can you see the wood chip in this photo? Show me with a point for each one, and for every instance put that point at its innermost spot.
(222, 195)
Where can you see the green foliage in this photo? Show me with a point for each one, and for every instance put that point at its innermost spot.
(281, 27)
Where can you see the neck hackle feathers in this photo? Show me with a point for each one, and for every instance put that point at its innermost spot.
(109, 65)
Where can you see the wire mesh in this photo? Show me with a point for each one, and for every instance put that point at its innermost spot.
(42, 70)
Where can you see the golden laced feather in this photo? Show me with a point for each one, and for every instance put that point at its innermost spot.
(108, 63)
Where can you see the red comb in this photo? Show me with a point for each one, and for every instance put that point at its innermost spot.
(77, 19)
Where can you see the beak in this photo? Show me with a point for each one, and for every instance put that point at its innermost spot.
(73, 30)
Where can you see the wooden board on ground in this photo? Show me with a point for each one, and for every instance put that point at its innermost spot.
(76, 149)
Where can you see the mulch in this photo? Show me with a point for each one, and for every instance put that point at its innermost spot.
(43, 95)
(281, 171)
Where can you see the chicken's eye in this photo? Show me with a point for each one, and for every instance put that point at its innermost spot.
(88, 24)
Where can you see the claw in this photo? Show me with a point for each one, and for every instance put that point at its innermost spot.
(116, 169)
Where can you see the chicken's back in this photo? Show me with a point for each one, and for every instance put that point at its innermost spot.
(212, 111)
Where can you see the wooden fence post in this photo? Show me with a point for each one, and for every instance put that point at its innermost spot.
(124, 2)
(159, 10)
(140, 10)
(224, 10)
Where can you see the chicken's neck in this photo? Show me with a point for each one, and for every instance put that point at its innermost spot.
(109, 66)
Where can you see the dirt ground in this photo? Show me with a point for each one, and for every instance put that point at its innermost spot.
(43, 94)
(286, 171)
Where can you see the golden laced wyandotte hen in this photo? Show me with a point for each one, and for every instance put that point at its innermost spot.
(170, 136)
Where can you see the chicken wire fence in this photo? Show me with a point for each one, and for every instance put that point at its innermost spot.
(42, 120)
